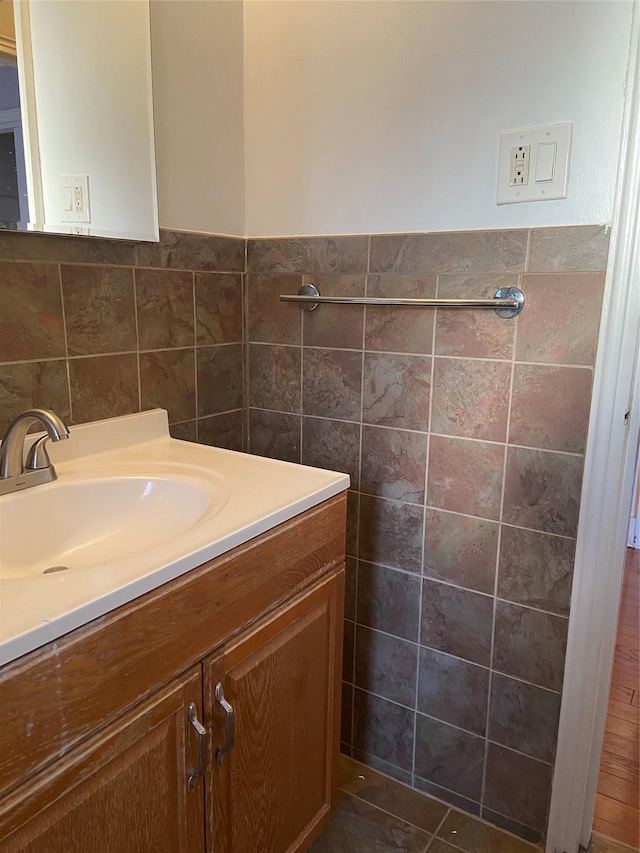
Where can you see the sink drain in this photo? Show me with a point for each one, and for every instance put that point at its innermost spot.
(53, 569)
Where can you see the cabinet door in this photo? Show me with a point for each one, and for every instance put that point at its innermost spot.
(273, 791)
(125, 790)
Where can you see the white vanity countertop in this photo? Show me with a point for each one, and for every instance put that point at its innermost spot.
(239, 497)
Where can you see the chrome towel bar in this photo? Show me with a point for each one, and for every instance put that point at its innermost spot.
(507, 302)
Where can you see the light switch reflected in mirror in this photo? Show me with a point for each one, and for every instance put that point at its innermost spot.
(76, 118)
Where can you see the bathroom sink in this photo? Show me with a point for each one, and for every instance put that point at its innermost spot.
(78, 524)
(132, 509)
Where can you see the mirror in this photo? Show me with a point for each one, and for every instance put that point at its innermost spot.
(76, 118)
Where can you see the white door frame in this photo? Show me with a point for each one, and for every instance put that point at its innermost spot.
(614, 428)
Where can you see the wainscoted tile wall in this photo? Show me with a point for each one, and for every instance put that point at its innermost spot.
(96, 328)
(464, 437)
(463, 434)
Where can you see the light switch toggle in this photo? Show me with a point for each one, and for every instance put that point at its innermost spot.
(545, 162)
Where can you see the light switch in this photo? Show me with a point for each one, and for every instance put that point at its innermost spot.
(548, 148)
(545, 162)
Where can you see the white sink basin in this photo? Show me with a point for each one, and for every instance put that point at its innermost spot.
(132, 509)
(80, 524)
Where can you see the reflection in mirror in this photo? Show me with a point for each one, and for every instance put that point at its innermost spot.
(14, 213)
(76, 119)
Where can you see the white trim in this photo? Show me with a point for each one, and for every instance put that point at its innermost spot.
(30, 138)
(604, 513)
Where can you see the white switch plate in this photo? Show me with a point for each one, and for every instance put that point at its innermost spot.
(74, 189)
(533, 190)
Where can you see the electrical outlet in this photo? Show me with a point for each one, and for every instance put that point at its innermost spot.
(74, 198)
(533, 164)
(520, 159)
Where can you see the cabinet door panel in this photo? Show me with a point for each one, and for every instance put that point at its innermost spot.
(273, 790)
(125, 790)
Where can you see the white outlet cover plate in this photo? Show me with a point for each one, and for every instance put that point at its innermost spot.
(535, 190)
(68, 182)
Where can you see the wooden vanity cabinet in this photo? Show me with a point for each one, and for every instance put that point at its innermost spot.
(97, 748)
(280, 684)
(124, 790)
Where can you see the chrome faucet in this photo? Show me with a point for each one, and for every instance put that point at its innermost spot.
(15, 472)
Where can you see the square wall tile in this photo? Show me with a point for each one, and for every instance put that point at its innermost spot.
(456, 621)
(275, 377)
(332, 383)
(396, 391)
(394, 463)
(530, 645)
(168, 381)
(400, 329)
(465, 476)
(334, 445)
(184, 431)
(274, 434)
(164, 304)
(457, 252)
(453, 691)
(560, 321)
(386, 666)
(308, 255)
(218, 308)
(31, 325)
(270, 320)
(542, 490)
(470, 398)
(461, 550)
(524, 717)
(536, 569)
(550, 407)
(224, 430)
(518, 787)
(34, 246)
(388, 600)
(338, 326)
(581, 247)
(219, 379)
(99, 308)
(36, 384)
(383, 729)
(103, 386)
(449, 757)
(184, 250)
(391, 533)
(468, 332)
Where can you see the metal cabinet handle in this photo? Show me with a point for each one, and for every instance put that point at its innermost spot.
(230, 724)
(202, 747)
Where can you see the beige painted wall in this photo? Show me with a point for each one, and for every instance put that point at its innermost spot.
(381, 116)
(197, 57)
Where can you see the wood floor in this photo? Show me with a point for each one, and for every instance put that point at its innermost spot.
(617, 807)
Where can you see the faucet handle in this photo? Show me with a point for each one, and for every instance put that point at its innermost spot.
(38, 458)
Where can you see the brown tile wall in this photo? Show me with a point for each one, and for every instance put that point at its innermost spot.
(96, 328)
(464, 436)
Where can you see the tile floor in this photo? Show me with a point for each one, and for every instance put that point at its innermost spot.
(376, 814)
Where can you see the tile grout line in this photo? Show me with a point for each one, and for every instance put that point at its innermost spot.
(497, 565)
(358, 493)
(137, 326)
